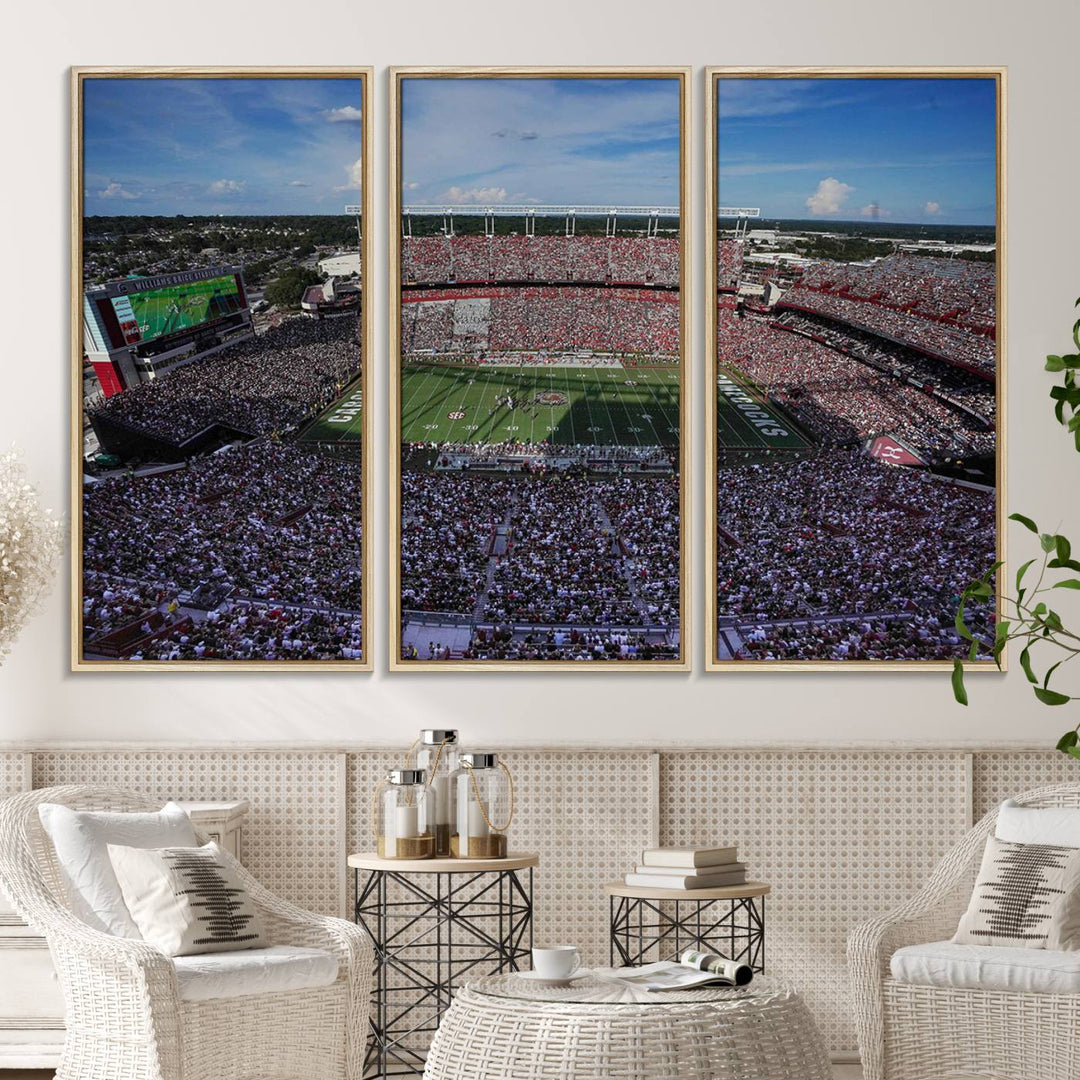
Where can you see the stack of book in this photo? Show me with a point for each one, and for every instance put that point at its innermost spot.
(688, 868)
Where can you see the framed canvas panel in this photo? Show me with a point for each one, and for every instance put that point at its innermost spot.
(539, 330)
(855, 437)
(220, 343)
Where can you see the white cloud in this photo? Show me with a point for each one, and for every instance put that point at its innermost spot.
(227, 187)
(355, 173)
(458, 196)
(932, 208)
(830, 196)
(116, 191)
(411, 185)
(347, 114)
(618, 146)
(298, 183)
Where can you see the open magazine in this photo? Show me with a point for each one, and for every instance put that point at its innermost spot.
(693, 969)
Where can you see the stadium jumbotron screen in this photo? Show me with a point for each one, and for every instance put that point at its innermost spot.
(154, 313)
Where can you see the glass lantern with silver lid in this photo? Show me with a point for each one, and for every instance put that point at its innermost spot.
(437, 754)
(484, 792)
(405, 815)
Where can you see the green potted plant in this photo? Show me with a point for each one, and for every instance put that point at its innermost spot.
(1027, 615)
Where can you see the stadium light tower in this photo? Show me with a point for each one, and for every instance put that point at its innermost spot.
(742, 215)
(357, 212)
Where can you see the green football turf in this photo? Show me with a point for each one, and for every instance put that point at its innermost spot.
(599, 406)
(747, 420)
(342, 422)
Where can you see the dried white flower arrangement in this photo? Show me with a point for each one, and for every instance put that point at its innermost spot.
(31, 539)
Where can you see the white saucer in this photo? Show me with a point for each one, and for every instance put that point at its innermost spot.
(536, 977)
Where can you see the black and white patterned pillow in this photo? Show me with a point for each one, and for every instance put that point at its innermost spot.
(1026, 895)
(186, 900)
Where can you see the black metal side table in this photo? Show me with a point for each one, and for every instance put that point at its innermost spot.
(432, 922)
(659, 924)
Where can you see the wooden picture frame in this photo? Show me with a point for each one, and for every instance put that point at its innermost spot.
(356, 188)
(398, 77)
(714, 76)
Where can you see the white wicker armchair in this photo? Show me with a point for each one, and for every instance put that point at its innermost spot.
(911, 1032)
(124, 1016)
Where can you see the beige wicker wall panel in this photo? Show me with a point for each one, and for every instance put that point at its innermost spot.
(13, 773)
(587, 814)
(290, 839)
(364, 771)
(997, 776)
(840, 836)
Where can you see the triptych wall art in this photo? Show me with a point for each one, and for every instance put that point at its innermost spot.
(540, 384)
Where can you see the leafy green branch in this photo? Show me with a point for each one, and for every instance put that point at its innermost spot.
(1067, 395)
(1027, 616)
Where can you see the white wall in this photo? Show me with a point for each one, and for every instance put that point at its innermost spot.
(40, 700)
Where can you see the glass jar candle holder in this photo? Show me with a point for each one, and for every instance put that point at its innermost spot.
(405, 816)
(437, 754)
(484, 793)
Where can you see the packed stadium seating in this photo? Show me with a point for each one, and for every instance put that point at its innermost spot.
(600, 259)
(729, 254)
(274, 529)
(841, 398)
(547, 318)
(585, 552)
(837, 535)
(944, 307)
(266, 384)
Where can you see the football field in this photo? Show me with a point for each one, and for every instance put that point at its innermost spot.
(747, 420)
(342, 422)
(565, 405)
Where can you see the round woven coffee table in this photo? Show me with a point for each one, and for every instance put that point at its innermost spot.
(503, 1026)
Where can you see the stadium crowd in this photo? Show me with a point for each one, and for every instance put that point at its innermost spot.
(650, 260)
(542, 548)
(840, 398)
(951, 382)
(945, 307)
(729, 254)
(956, 290)
(838, 534)
(546, 318)
(502, 643)
(273, 530)
(265, 384)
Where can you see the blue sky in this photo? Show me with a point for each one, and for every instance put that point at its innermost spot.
(230, 146)
(505, 140)
(907, 150)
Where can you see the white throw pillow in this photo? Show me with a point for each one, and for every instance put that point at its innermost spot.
(1057, 825)
(1025, 896)
(187, 900)
(80, 839)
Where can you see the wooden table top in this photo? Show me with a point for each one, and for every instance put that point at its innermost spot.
(721, 892)
(516, 860)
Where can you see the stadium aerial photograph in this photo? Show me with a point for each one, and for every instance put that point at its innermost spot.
(540, 350)
(856, 366)
(219, 372)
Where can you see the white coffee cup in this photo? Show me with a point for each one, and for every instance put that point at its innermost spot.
(556, 961)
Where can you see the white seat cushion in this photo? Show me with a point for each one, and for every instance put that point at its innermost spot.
(253, 971)
(988, 967)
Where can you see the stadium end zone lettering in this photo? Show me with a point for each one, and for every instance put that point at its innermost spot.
(348, 410)
(750, 409)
